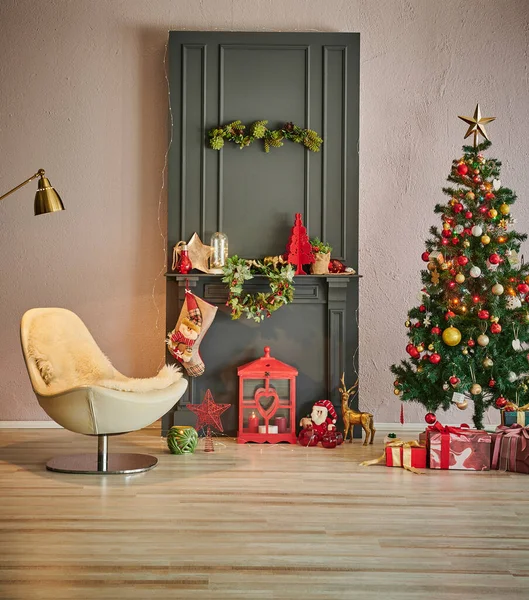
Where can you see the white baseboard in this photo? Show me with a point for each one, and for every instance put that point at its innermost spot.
(29, 425)
(398, 427)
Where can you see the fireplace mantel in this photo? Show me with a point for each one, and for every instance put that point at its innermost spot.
(330, 292)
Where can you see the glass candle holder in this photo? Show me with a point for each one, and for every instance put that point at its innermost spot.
(219, 243)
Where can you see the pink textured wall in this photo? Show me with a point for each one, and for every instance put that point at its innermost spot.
(83, 95)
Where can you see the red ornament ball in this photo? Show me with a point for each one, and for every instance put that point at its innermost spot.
(483, 209)
(483, 314)
(489, 196)
(523, 288)
(453, 272)
(462, 260)
(425, 256)
(494, 259)
(436, 330)
(328, 439)
(422, 308)
(471, 343)
(455, 241)
(308, 437)
(458, 207)
(451, 285)
(445, 241)
(492, 383)
(454, 380)
(449, 314)
(468, 215)
(462, 169)
(446, 233)
(430, 418)
(476, 179)
(336, 266)
(414, 353)
(501, 402)
(435, 358)
(495, 328)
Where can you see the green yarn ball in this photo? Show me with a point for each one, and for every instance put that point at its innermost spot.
(182, 439)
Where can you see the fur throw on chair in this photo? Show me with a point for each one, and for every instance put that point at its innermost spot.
(67, 356)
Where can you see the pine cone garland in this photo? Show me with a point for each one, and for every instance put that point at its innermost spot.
(217, 143)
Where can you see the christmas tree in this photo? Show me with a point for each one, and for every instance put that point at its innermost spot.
(299, 249)
(468, 336)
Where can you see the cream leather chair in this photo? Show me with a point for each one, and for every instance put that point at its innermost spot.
(78, 388)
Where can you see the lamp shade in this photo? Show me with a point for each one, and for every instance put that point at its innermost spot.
(47, 199)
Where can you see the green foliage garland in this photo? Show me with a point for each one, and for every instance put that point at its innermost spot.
(235, 132)
(261, 305)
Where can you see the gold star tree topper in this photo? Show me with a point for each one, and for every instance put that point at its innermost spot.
(477, 124)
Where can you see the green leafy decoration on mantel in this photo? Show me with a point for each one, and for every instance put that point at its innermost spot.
(236, 132)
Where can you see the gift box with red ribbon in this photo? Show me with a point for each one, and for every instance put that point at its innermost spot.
(407, 455)
(458, 448)
(510, 448)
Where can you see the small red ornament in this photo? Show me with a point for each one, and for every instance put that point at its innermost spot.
(455, 241)
(436, 330)
(468, 215)
(501, 402)
(458, 207)
(476, 179)
(492, 383)
(462, 260)
(430, 418)
(449, 314)
(489, 196)
(328, 439)
(425, 256)
(453, 272)
(308, 437)
(336, 266)
(451, 285)
(475, 299)
(418, 324)
(435, 358)
(409, 347)
(445, 241)
(523, 288)
(471, 343)
(422, 308)
(414, 353)
(483, 209)
(495, 328)
(467, 231)
(446, 233)
(494, 259)
(454, 380)
(396, 382)
(483, 314)
(462, 169)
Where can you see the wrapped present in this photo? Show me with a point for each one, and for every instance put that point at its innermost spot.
(458, 448)
(398, 453)
(409, 455)
(510, 448)
(515, 414)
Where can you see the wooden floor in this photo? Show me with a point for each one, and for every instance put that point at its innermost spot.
(255, 522)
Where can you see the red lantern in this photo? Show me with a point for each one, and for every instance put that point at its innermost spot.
(267, 388)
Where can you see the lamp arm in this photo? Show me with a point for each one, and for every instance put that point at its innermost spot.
(39, 173)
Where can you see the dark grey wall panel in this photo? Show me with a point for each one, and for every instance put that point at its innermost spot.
(311, 79)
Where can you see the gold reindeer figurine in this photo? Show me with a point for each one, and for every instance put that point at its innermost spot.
(354, 417)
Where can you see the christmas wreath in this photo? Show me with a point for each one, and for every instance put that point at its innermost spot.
(260, 305)
(235, 132)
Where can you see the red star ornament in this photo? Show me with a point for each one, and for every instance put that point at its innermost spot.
(208, 413)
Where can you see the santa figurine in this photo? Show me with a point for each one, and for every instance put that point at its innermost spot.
(323, 417)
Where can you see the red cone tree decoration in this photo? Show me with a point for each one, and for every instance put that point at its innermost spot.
(299, 250)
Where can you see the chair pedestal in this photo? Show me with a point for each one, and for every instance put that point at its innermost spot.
(102, 463)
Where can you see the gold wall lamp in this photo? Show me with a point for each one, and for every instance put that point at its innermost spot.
(46, 199)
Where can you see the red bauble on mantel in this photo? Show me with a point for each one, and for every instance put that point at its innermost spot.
(336, 266)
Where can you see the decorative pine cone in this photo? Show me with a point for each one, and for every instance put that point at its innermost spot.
(289, 126)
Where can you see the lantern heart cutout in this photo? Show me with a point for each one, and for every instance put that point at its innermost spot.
(267, 402)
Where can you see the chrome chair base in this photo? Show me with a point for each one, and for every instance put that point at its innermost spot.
(89, 464)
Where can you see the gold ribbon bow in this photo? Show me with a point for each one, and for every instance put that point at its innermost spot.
(395, 446)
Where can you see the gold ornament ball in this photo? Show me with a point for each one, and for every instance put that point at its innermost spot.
(466, 244)
(465, 351)
(419, 369)
(460, 278)
(431, 347)
(451, 336)
(487, 362)
(446, 226)
(462, 405)
(505, 209)
(396, 391)
(470, 196)
(497, 289)
(476, 389)
(485, 239)
(493, 213)
(510, 291)
(461, 310)
(445, 266)
(420, 348)
(483, 340)
(407, 323)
